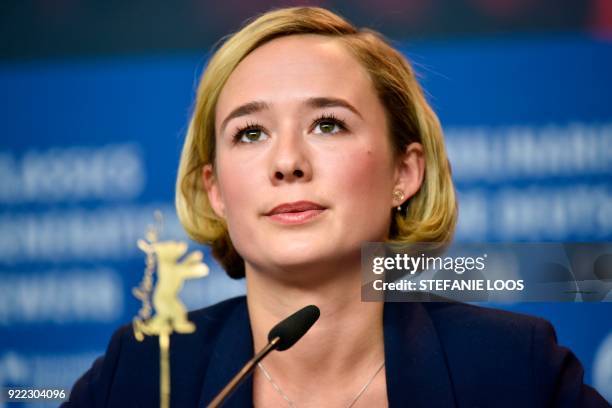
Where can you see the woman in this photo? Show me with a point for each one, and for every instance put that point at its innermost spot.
(308, 138)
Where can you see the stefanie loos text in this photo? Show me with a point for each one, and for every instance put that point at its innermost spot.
(419, 264)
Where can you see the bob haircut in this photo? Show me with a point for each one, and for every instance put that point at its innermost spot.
(430, 215)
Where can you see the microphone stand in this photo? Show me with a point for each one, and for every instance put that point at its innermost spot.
(242, 374)
(282, 336)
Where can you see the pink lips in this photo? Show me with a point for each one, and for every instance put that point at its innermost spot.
(295, 213)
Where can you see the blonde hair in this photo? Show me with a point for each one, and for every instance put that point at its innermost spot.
(431, 213)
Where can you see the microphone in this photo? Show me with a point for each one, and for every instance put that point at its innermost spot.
(282, 336)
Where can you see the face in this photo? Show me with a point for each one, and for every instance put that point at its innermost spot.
(299, 125)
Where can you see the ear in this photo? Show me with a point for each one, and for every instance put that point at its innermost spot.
(409, 173)
(209, 180)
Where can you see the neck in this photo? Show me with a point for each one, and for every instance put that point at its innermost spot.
(347, 337)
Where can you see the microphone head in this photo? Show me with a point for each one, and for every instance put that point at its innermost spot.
(294, 327)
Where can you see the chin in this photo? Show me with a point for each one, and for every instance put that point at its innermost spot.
(301, 268)
(291, 259)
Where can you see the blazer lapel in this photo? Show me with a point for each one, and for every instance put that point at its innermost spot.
(415, 367)
(234, 347)
(417, 374)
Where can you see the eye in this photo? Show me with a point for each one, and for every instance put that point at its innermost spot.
(329, 124)
(249, 134)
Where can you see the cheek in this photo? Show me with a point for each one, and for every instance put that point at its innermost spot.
(365, 181)
(235, 185)
(239, 197)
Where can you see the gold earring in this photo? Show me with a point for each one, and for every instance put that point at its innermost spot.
(398, 195)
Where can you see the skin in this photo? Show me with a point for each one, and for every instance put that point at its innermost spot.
(350, 171)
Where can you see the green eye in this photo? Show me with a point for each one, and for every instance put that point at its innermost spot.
(327, 127)
(252, 135)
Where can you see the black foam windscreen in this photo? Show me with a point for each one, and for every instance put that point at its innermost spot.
(294, 327)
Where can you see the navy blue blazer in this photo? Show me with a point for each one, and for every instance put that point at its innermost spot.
(437, 355)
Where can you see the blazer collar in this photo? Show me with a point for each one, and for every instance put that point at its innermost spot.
(415, 366)
(233, 348)
(417, 374)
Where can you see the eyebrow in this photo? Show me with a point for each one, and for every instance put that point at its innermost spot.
(317, 102)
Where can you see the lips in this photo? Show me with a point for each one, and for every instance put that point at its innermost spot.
(297, 213)
(295, 207)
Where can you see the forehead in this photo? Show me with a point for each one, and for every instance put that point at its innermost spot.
(296, 67)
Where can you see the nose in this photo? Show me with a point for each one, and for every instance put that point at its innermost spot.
(290, 160)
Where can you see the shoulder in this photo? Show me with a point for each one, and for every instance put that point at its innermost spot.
(454, 319)
(509, 351)
(213, 316)
(479, 340)
(130, 367)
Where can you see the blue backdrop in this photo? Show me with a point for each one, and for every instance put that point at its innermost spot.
(90, 149)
